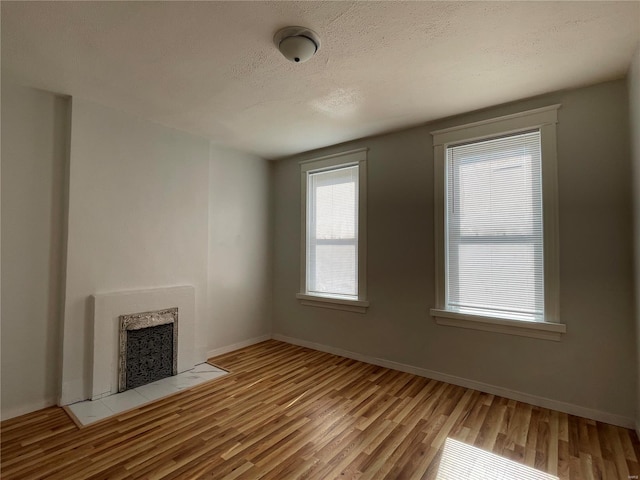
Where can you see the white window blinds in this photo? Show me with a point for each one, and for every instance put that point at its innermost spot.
(494, 233)
(332, 232)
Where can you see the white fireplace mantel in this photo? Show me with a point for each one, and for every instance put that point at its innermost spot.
(107, 310)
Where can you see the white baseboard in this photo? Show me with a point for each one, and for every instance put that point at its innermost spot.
(230, 348)
(25, 408)
(638, 428)
(564, 407)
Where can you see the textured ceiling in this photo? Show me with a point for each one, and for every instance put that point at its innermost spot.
(211, 68)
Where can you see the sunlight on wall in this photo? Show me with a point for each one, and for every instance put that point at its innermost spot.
(461, 461)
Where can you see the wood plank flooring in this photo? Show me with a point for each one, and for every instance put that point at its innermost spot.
(287, 412)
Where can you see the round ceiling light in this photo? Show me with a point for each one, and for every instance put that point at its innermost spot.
(297, 44)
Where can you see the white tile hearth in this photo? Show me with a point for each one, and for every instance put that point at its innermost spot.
(91, 411)
(122, 401)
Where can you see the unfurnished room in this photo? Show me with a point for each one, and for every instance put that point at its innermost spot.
(320, 240)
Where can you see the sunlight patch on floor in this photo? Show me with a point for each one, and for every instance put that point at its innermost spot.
(460, 461)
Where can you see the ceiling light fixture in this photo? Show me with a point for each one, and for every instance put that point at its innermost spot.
(297, 44)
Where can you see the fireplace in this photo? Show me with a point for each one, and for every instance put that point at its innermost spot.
(148, 347)
(108, 310)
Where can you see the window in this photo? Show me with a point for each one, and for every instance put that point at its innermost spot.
(333, 250)
(493, 227)
(496, 225)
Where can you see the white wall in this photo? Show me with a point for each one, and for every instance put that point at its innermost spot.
(240, 249)
(138, 218)
(633, 80)
(592, 368)
(148, 207)
(34, 157)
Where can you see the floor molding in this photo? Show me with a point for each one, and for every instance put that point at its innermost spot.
(544, 402)
(230, 348)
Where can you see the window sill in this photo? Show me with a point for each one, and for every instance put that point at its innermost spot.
(542, 330)
(358, 306)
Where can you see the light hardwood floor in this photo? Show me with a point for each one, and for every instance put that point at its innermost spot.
(288, 412)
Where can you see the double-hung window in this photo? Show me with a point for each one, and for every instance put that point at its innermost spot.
(333, 249)
(496, 225)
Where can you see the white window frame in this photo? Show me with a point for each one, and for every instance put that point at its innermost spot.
(332, 162)
(544, 119)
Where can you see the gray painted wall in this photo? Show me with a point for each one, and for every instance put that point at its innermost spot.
(594, 364)
(34, 159)
(634, 110)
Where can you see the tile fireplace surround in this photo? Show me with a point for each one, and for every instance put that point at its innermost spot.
(106, 330)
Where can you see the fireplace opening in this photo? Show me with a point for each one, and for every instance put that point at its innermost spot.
(149, 355)
(148, 347)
